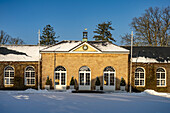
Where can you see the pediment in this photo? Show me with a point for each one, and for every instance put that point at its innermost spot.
(85, 48)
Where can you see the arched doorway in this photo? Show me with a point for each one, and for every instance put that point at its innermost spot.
(109, 79)
(84, 78)
(60, 77)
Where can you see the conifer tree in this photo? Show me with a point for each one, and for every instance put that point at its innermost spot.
(103, 31)
(48, 36)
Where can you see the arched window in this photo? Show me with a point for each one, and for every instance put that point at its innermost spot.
(139, 77)
(84, 76)
(161, 77)
(109, 76)
(60, 75)
(29, 76)
(9, 75)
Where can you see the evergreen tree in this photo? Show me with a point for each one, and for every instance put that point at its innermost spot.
(103, 31)
(48, 36)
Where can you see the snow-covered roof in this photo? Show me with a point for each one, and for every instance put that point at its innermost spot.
(149, 54)
(67, 45)
(19, 53)
(62, 46)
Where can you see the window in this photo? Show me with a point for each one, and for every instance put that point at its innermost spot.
(60, 75)
(161, 77)
(109, 76)
(29, 76)
(9, 76)
(84, 76)
(139, 77)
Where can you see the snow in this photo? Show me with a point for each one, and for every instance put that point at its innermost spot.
(62, 46)
(24, 53)
(67, 45)
(43, 101)
(146, 60)
(152, 92)
(108, 47)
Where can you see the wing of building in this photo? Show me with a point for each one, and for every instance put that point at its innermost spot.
(20, 67)
(151, 68)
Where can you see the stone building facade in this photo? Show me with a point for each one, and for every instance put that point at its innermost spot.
(72, 56)
(151, 65)
(20, 67)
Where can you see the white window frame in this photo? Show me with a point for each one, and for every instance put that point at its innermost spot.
(84, 72)
(108, 72)
(60, 77)
(30, 76)
(9, 77)
(139, 77)
(160, 77)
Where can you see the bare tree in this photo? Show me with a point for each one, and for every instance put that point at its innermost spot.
(4, 37)
(16, 41)
(152, 28)
(126, 40)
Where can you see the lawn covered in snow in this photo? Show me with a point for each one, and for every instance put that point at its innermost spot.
(32, 101)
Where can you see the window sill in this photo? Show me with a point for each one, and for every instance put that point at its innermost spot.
(161, 86)
(30, 85)
(8, 85)
(139, 86)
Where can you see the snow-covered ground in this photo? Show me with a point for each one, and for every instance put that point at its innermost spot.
(32, 101)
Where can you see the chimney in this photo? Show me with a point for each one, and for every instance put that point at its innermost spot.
(85, 35)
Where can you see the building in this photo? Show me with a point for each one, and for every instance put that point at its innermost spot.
(18, 67)
(84, 60)
(151, 68)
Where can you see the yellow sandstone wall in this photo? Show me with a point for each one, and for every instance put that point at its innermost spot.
(96, 62)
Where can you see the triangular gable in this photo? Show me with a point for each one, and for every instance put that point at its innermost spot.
(85, 47)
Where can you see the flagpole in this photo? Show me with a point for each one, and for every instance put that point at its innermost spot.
(39, 60)
(130, 88)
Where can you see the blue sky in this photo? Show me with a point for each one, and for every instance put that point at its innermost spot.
(23, 18)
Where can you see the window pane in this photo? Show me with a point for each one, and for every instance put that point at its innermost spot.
(6, 74)
(136, 82)
(6, 80)
(158, 75)
(160, 70)
(111, 78)
(57, 79)
(12, 81)
(105, 78)
(162, 82)
(81, 78)
(136, 75)
(142, 82)
(11, 74)
(32, 81)
(141, 75)
(62, 78)
(162, 75)
(158, 82)
(28, 81)
(87, 78)
(32, 74)
(139, 70)
(27, 74)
